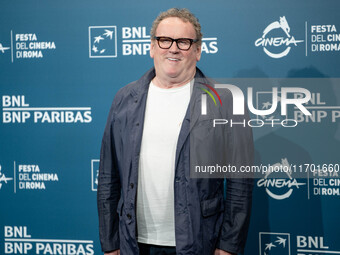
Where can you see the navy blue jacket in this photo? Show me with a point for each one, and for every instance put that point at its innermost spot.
(204, 218)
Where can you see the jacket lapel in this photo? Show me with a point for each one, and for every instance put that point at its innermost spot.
(137, 112)
(193, 112)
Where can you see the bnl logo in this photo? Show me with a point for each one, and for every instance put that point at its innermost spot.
(274, 243)
(94, 174)
(102, 41)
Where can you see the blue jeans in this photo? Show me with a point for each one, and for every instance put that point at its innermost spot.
(151, 249)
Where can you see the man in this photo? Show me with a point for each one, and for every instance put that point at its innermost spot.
(147, 202)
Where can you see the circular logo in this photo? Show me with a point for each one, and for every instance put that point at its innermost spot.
(266, 42)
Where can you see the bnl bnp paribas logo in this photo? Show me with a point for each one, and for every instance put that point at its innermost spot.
(271, 243)
(135, 41)
(103, 41)
(276, 39)
(16, 109)
(274, 243)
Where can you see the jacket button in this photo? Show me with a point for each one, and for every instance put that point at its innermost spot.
(136, 101)
(132, 185)
(137, 124)
(129, 216)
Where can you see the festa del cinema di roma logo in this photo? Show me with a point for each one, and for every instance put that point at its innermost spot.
(281, 42)
(3, 178)
(280, 187)
(3, 49)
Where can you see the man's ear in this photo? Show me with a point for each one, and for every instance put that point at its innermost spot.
(152, 48)
(198, 53)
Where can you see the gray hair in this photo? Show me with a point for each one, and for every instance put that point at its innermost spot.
(185, 15)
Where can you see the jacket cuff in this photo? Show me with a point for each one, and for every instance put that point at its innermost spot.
(227, 247)
(110, 246)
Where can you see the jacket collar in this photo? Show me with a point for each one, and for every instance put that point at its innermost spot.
(142, 85)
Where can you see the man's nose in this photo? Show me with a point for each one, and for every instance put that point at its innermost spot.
(174, 48)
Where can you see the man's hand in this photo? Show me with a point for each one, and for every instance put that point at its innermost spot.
(221, 252)
(116, 252)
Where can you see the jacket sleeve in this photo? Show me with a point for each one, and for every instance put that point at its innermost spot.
(237, 208)
(109, 189)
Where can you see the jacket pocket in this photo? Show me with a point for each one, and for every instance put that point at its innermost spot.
(212, 206)
(201, 129)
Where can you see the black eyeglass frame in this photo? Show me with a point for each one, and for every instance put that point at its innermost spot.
(175, 40)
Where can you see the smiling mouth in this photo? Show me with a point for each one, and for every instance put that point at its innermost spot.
(173, 59)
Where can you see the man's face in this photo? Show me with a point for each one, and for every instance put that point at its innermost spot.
(175, 65)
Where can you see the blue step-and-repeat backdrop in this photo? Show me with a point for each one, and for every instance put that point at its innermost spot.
(61, 63)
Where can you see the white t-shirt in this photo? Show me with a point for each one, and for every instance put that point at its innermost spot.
(164, 114)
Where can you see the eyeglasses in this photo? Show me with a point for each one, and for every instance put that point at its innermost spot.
(182, 43)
